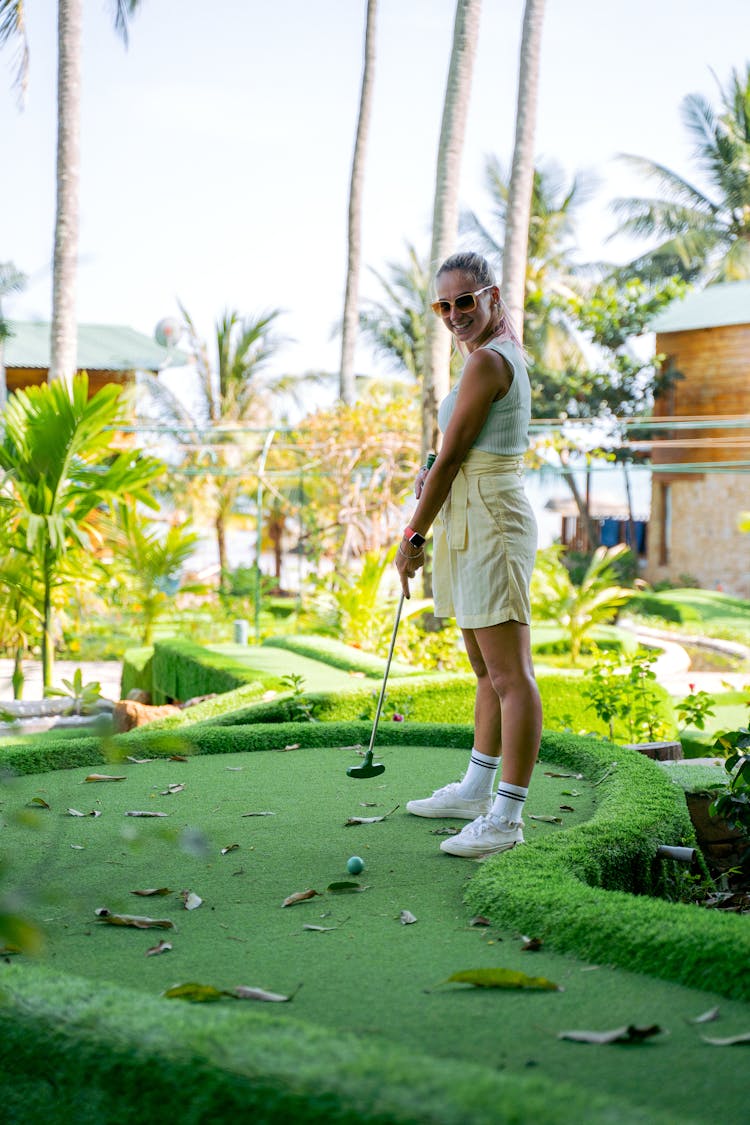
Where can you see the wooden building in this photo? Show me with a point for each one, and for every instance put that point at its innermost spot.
(701, 464)
(110, 353)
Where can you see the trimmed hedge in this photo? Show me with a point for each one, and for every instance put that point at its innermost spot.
(182, 670)
(339, 655)
(137, 670)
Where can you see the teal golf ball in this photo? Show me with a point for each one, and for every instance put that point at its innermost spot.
(354, 865)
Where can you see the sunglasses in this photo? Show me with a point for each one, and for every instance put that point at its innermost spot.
(465, 302)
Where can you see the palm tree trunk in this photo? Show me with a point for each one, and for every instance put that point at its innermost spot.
(445, 212)
(347, 383)
(522, 172)
(48, 647)
(18, 677)
(63, 335)
(221, 546)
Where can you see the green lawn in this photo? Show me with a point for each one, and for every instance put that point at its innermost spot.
(364, 972)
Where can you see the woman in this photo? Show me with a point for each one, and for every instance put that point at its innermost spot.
(484, 547)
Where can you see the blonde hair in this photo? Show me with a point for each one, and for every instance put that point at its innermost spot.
(477, 267)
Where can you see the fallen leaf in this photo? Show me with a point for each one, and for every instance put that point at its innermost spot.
(368, 819)
(299, 896)
(547, 819)
(152, 891)
(244, 993)
(234, 769)
(345, 888)
(577, 776)
(444, 831)
(530, 944)
(406, 918)
(139, 761)
(706, 1017)
(629, 1034)
(229, 848)
(730, 1041)
(78, 847)
(162, 947)
(258, 814)
(75, 812)
(178, 758)
(319, 929)
(291, 746)
(178, 787)
(104, 777)
(145, 812)
(136, 920)
(569, 793)
(191, 900)
(368, 804)
(501, 978)
(479, 920)
(567, 808)
(197, 993)
(38, 803)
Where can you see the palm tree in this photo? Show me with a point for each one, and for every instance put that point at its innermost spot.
(11, 281)
(231, 400)
(59, 469)
(445, 211)
(513, 286)
(69, 21)
(704, 236)
(347, 388)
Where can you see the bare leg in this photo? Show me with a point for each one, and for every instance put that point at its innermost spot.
(506, 653)
(487, 706)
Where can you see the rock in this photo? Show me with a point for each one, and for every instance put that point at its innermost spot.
(129, 713)
(138, 695)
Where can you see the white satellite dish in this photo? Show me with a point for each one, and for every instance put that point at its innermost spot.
(168, 332)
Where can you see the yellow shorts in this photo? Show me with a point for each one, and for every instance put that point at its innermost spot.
(484, 544)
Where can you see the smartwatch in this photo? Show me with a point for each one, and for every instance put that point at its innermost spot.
(414, 537)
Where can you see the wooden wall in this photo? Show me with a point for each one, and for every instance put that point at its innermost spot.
(19, 377)
(715, 363)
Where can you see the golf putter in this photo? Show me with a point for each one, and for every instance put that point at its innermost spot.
(368, 767)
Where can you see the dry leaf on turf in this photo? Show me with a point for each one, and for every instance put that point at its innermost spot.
(368, 819)
(629, 1034)
(162, 947)
(139, 761)
(75, 812)
(244, 993)
(197, 993)
(706, 1017)
(140, 923)
(104, 777)
(567, 808)
(345, 888)
(177, 787)
(178, 758)
(730, 1041)
(577, 776)
(319, 929)
(291, 746)
(152, 891)
(530, 944)
(299, 896)
(229, 848)
(191, 901)
(258, 814)
(501, 978)
(406, 918)
(38, 803)
(569, 793)
(547, 819)
(145, 812)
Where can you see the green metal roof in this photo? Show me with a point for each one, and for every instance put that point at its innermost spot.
(101, 347)
(715, 307)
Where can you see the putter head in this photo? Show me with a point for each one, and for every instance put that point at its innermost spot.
(367, 769)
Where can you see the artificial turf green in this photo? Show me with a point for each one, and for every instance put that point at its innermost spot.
(368, 975)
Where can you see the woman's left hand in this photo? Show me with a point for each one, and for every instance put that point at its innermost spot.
(408, 561)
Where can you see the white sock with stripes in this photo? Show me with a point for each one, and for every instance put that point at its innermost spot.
(478, 779)
(508, 803)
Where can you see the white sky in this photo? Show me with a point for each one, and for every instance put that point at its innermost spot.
(216, 151)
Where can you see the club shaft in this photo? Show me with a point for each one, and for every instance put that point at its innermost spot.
(385, 675)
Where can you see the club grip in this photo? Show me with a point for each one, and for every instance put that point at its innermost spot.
(430, 461)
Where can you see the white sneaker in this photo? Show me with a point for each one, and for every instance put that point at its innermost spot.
(446, 802)
(484, 837)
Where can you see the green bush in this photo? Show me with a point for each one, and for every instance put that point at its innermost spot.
(339, 655)
(137, 670)
(651, 605)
